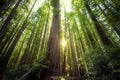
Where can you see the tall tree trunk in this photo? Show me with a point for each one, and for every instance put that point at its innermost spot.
(7, 21)
(26, 56)
(110, 21)
(105, 40)
(64, 62)
(53, 47)
(75, 66)
(36, 43)
(4, 61)
(45, 30)
(6, 47)
(26, 52)
(80, 42)
(17, 55)
(10, 37)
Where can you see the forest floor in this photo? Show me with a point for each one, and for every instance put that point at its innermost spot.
(62, 78)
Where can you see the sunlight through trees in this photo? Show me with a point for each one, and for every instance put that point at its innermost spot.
(63, 42)
(59, 39)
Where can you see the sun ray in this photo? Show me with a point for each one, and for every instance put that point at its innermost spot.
(63, 42)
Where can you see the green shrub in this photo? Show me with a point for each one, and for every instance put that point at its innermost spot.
(106, 64)
(15, 73)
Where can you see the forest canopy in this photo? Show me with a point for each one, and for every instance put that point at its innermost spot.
(59, 39)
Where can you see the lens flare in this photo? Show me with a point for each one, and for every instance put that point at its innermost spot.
(63, 42)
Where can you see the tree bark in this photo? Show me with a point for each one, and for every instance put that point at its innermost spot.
(17, 55)
(26, 55)
(4, 61)
(75, 66)
(45, 30)
(110, 22)
(105, 40)
(53, 47)
(7, 21)
(9, 37)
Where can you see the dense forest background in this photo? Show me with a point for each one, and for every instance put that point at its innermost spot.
(46, 40)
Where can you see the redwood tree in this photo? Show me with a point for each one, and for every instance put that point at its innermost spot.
(9, 18)
(105, 40)
(53, 47)
(7, 55)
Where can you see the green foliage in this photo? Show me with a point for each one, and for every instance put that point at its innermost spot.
(15, 73)
(53, 2)
(105, 64)
(55, 7)
(56, 11)
(33, 72)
